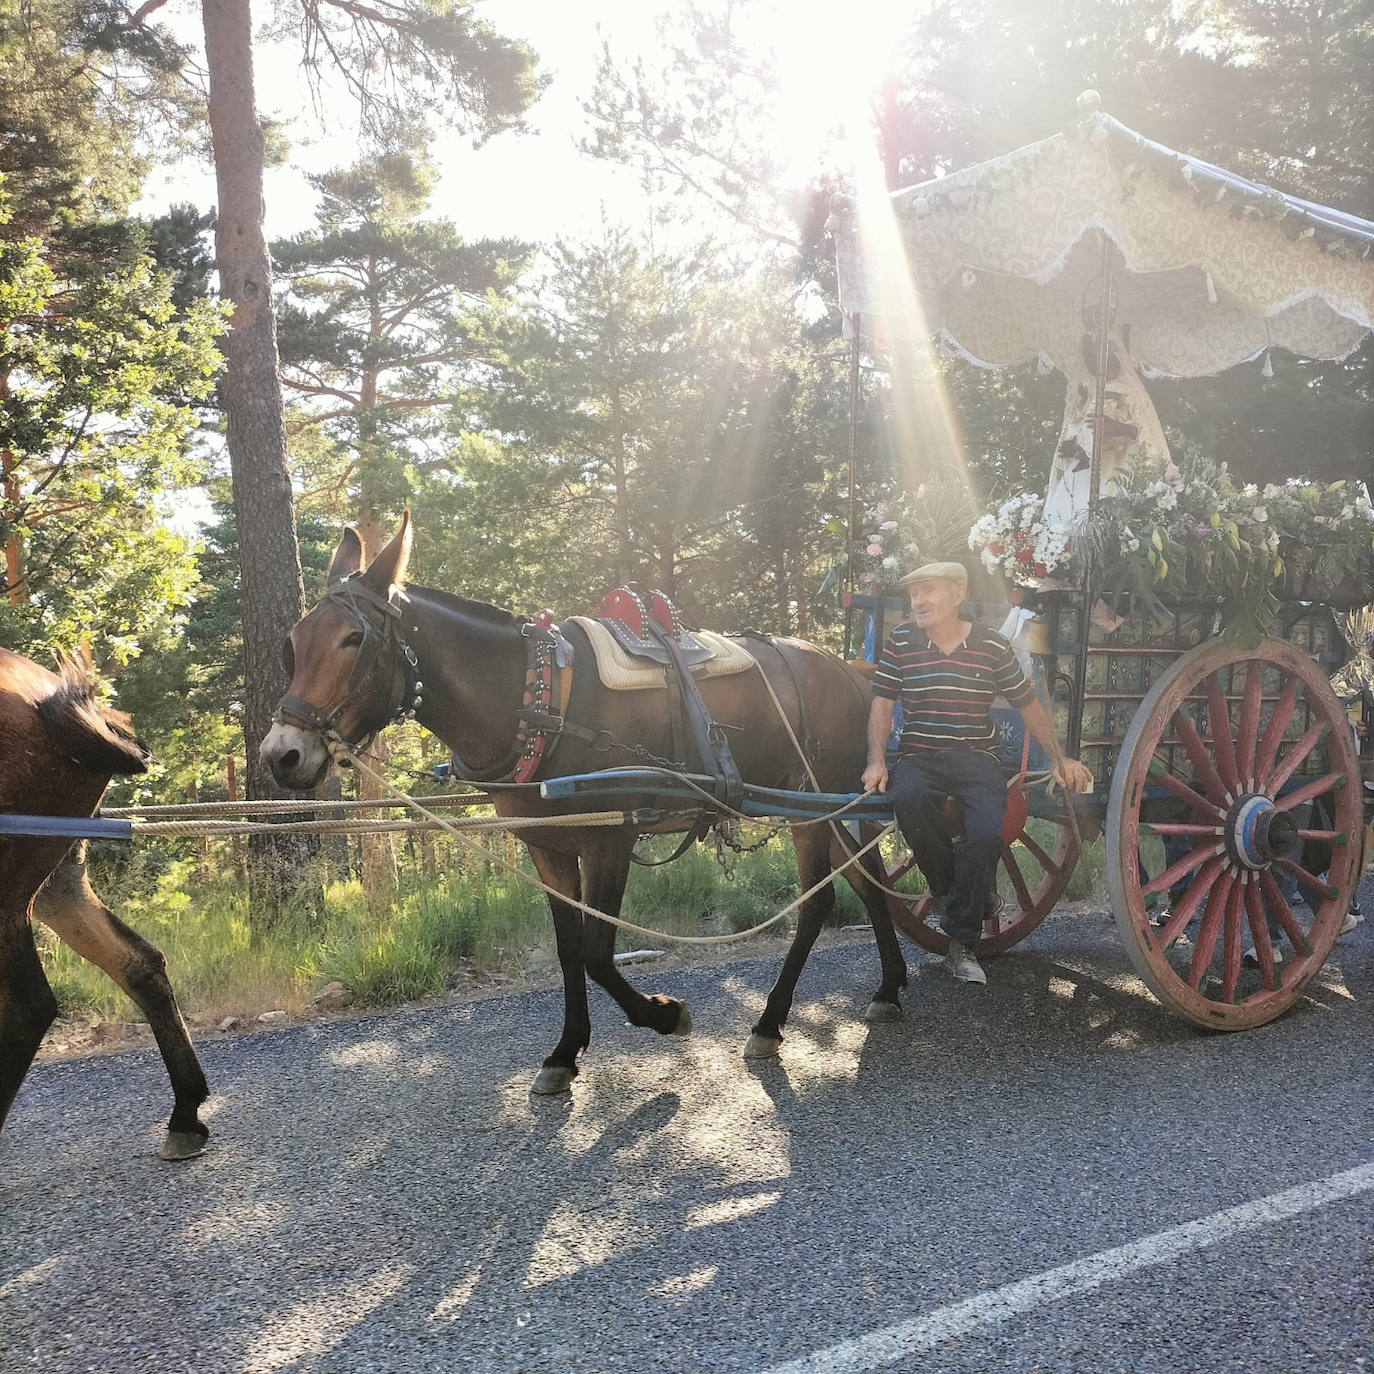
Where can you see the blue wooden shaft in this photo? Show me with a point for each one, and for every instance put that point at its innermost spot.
(72, 827)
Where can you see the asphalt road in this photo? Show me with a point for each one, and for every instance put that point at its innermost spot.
(1000, 1181)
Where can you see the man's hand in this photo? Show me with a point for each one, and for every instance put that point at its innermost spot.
(1071, 775)
(875, 777)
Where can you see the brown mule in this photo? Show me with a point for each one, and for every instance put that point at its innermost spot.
(370, 652)
(58, 751)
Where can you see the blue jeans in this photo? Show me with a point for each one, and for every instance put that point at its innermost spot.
(964, 874)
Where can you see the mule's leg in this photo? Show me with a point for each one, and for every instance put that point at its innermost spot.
(27, 1006)
(812, 845)
(559, 871)
(68, 905)
(607, 868)
(886, 1004)
(813, 849)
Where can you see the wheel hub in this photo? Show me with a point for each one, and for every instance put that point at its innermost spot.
(1257, 832)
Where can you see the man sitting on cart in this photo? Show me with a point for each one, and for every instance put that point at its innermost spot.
(946, 672)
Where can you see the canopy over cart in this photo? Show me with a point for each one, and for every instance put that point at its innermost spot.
(1012, 260)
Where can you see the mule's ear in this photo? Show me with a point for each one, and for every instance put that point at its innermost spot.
(388, 569)
(347, 557)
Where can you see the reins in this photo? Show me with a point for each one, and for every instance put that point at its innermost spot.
(341, 751)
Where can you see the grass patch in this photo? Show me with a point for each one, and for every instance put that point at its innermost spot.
(470, 919)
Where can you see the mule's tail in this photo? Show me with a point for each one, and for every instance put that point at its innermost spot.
(91, 735)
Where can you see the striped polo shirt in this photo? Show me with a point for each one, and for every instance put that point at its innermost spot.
(945, 697)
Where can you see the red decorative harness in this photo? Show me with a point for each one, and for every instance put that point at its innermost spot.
(541, 721)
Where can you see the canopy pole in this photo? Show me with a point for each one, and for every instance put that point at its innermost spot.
(850, 545)
(1080, 667)
(853, 442)
(1103, 356)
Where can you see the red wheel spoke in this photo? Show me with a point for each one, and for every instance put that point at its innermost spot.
(1209, 930)
(1219, 718)
(1331, 836)
(1294, 757)
(1182, 791)
(1023, 894)
(1185, 908)
(1308, 880)
(1230, 959)
(1174, 872)
(1274, 731)
(1197, 753)
(1278, 904)
(1248, 736)
(1259, 933)
(1312, 789)
(1178, 828)
(1043, 859)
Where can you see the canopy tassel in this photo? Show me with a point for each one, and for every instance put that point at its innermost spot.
(1211, 286)
(1268, 369)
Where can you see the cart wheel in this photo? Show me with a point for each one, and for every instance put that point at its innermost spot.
(1037, 874)
(1218, 738)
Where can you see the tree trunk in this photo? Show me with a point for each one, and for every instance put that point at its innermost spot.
(14, 545)
(269, 560)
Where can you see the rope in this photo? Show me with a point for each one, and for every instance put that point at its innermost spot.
(367, 827)
(340, 751)
(189, 810)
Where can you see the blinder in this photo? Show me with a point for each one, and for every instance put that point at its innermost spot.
(378, 636)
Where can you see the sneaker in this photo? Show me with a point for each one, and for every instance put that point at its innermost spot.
(963, 964)
(1181, 940)
(1353, 917)
(1251, 955)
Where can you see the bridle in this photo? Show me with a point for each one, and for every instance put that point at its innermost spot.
(379, 619)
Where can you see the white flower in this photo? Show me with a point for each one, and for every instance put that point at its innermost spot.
(1261, 515)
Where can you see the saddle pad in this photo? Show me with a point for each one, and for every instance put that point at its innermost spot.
(622, 673)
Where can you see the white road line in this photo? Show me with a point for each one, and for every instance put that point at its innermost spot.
(894, 1343)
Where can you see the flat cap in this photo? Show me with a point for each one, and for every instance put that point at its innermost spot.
(942, 571)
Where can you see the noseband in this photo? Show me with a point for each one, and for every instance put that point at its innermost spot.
(381, 638)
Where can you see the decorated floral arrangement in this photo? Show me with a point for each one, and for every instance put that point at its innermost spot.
(1017, 542)
(1188, 530)
(1204, 532)
(916, 527)
(877, 561)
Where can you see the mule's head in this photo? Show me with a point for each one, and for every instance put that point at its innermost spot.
(349, 671)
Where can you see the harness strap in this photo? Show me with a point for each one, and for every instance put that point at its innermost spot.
(712, 747)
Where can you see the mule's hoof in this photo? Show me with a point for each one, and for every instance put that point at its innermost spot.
(684, 1020)
(882, 1011)
(762, 1047)
(551, 1080)
(182, 1145)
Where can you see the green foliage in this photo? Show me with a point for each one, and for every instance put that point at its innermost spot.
(417, 61)
(100, 374)
(373, 330)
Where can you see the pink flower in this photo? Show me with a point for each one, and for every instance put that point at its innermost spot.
(888, 525)
(875, 550)
(1173, 476)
